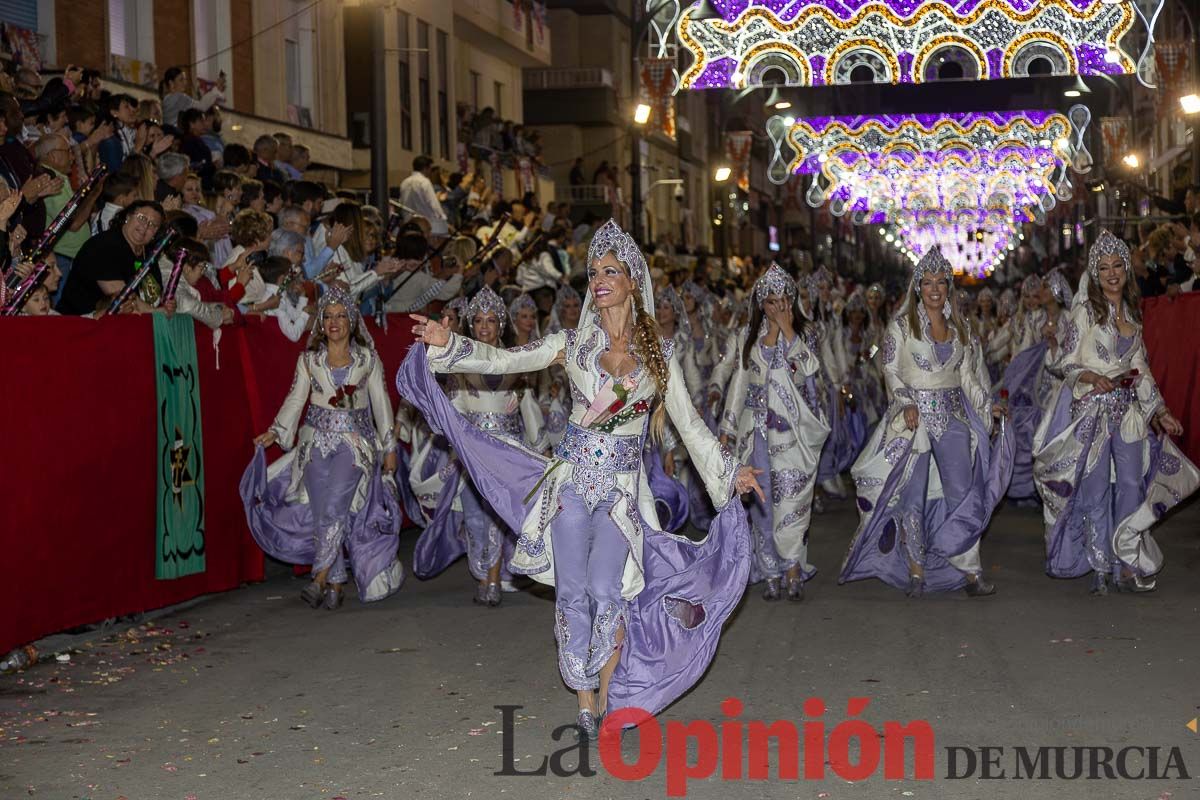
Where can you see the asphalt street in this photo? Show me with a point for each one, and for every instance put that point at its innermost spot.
(250, 694)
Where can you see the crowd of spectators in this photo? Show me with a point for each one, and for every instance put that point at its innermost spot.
(486, 132)
(252, 232)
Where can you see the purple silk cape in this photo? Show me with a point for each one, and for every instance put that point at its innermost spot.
(690, 588)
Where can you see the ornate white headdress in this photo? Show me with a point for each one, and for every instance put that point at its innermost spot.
(932, 263)
(609, 238)
(774, 281)
(337, 296)
(1059, 287)
(1031, 285)
(486, 301)
(524, 301)
(668, 296)
(565, 293)
(1107, 245)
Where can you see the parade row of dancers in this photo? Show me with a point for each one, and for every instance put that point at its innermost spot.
(576, 456)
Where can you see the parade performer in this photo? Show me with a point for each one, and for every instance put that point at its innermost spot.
(774, 418)
(1105, 478)
(930, 476)
(333, 489)
(847, 426)
(638, 612)
(1020, 381)
(463, 521)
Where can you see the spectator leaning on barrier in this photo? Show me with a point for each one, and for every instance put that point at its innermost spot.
(250, 233)
(107, 262)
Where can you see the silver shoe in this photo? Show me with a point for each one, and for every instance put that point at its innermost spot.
(1136, 584)
(333, 598)
(1099, 585)
(492, 595)
(795, 588)
(818, 503)
(481, 594)
(311, 594)
(916, 586)
(979, 587)
(772, 590)
(589, 726)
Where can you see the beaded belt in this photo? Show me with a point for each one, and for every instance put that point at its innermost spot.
(937, 406)
(597, 458)
(1112, 404)
(497, 422)
(341, 420)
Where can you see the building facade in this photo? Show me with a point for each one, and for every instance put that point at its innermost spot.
(307, 68)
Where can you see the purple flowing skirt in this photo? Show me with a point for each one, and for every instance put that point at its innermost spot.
(443, 541)
(690, 588)
(670, 496)
(877, 552)
(408, 500)
(1020, 379)
(286, 530)
(847, 435)
(1085, 521)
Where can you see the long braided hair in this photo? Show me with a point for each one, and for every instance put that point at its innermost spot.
(648, 345)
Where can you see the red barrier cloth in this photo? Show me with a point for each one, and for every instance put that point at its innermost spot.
(77, 475)
(1172, 335)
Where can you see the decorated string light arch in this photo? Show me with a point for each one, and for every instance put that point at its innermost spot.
(988, 39)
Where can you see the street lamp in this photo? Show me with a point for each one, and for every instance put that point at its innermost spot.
(721, 174)
(776, 100)
(641, 114)
(1190, 103)
(1131, 160)
(1077, 89)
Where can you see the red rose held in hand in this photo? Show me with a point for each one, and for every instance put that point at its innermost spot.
(616, 406)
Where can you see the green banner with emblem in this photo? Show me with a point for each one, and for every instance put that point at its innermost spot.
(179, 541)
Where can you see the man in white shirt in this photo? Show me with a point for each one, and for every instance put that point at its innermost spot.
(417, 195)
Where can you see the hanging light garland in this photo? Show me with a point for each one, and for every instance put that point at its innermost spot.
(818, 42)
(879, 166)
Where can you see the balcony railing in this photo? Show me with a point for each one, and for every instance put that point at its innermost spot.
(567, 78)
(588, 193)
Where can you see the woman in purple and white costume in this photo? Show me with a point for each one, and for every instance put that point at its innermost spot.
(586, 516)
(675, 324)
(847, 429)
(861, 343)
(774, 418)
(1104, 478)
(930, 476)
(557, 401)
(1027, 351)
(464, 521)
(1057, 299)
(334, 490)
